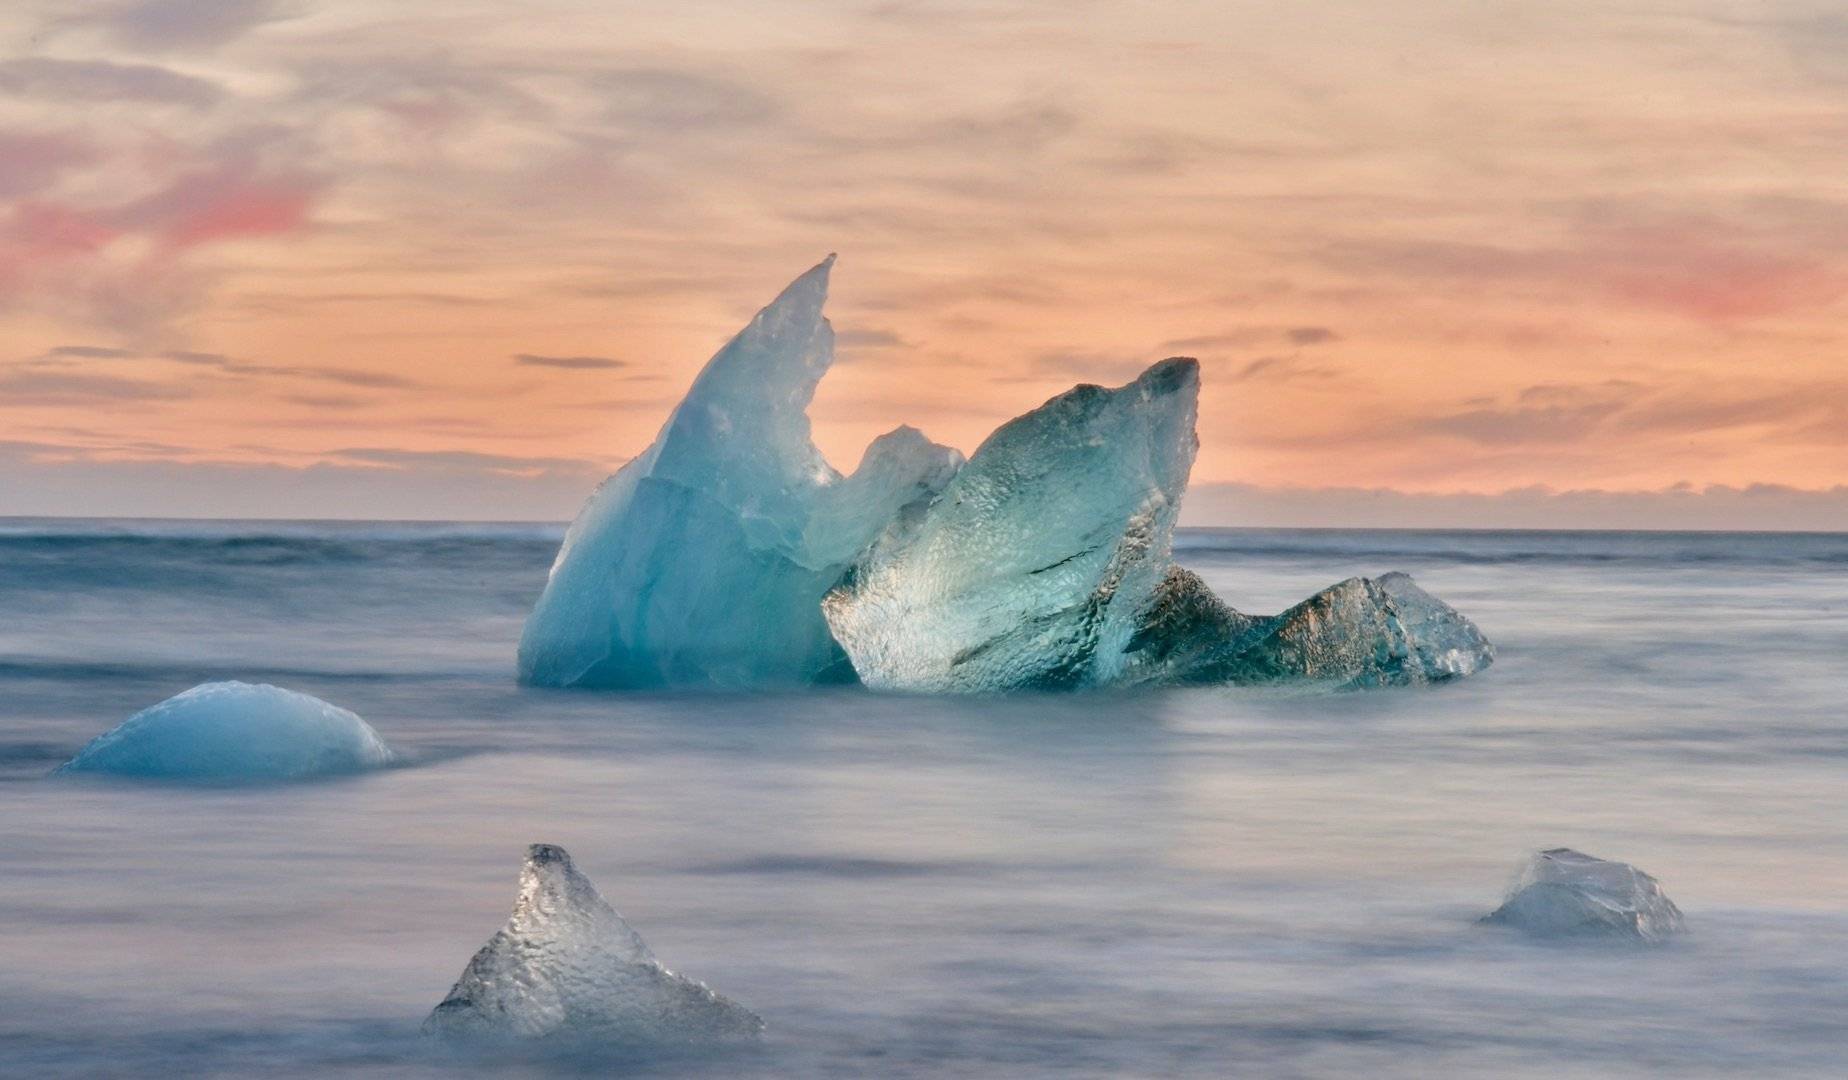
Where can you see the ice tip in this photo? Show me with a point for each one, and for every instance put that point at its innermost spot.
(1174, 373)
(812, 282)
(547, 855)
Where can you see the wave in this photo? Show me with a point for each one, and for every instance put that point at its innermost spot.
(129, 529)
(1457, 546)
(99, 548)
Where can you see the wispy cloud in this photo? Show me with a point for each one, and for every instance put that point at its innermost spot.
(600, 363)
(1246, 336)
(39, 388)
(1283, 369)
(104, 80)
(180, 24)
(64, 355)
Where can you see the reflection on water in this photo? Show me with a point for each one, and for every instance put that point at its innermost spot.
(1195, 882)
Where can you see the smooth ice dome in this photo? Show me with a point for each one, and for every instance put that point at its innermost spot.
(236, 731)
(703, 561)
(1035, 565)
(1563, 893)
(567, 965)
(1362, 632)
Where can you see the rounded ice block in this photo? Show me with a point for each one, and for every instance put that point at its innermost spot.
(235, 731)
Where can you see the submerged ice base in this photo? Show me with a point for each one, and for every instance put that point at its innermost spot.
(233, 731)
(567, 966)
(1563, 893)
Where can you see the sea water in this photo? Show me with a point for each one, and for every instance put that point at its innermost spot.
(1200, 882)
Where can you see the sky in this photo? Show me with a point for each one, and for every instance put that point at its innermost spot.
(1467, 264)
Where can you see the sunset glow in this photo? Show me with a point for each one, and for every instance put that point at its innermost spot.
(1447, 247)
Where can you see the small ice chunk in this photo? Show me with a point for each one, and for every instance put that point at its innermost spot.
(231, 731)
(1036, 564)
(1563, 893)
(1358, 633)
(567, 966)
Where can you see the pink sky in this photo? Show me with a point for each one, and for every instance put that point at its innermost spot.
(454, 262)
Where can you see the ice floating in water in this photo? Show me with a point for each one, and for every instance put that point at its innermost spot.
(703, 561)
(729, 554)
(1034, 567)
(1362, 632)
(1563, 893)
(1045, 564)
(567, 966)
(230, 731)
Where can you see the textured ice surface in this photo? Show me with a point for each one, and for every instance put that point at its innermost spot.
(1038, 561)
(703, 561)
(236, 731)
(566, 965)
(1564, 893)
(1187, 635)
(1361, 632)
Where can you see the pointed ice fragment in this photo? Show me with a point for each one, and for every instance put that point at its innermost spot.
(1564, 893)
(703, 561)
(566, 965)
(235, 732)
(1039, 560)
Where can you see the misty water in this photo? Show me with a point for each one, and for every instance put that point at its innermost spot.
(1197, 882)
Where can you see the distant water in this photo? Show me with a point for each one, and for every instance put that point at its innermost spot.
(1189, 883)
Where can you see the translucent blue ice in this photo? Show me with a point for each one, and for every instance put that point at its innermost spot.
(233, 731)
(1045, 564)
(703, 561)
(568, 966)
(729, 554)
(1036, 565)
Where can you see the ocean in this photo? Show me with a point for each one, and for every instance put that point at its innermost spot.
(1198, 882)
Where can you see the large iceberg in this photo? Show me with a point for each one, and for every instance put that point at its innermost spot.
(1562, 893)
(730, 554)
(1036, 565)
(234, 731)
(566, 966)
(703, 561)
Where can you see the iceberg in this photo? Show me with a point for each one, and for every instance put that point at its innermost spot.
(703, 561)
(1035, 565)
(1359, 633)
(566, 966)
(1563, 893)
(232, 731)
(730, 554)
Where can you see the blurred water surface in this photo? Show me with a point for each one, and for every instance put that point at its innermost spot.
(1189, 883)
